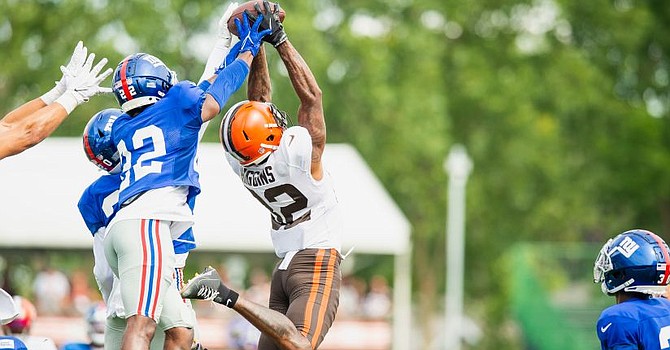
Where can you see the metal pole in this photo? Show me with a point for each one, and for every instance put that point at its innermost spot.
(458, 166)
(402, 297)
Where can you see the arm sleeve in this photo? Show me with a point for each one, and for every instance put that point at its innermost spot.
(189, 98)
(204, 85)
(228, 81)
(214, 60)
(87, 210)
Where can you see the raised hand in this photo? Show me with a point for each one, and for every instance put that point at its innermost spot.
(82, 81)
(272, 22)
(76, 60)
(250, 36)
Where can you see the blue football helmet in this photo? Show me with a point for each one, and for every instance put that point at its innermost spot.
(140, 80)
(98, 144)
(634, 261)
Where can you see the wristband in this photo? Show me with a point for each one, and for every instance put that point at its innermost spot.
(50, 96)
(68, 101)
(230, 299)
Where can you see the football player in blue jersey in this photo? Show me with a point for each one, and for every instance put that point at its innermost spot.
(33, 121)
(157, 138)
(98, 203)
(96, 206)
(634, 267)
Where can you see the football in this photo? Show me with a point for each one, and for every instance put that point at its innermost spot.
(249, 5)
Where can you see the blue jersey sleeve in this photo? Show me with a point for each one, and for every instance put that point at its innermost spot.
(229, 80)
(97, 203)
(190, 99)
(204, 85)
(88, 211)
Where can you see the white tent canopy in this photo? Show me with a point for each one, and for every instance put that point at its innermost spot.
(40, 189)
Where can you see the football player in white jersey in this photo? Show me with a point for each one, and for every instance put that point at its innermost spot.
(33, 121)
(282, 168)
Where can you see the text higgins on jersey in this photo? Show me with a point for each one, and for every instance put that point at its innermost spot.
(256, 178)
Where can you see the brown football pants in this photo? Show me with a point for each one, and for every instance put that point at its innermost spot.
(308, 293)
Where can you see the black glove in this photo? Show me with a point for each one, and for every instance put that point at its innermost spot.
(270, 21)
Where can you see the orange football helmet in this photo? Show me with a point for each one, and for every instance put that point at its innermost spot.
(251, 131)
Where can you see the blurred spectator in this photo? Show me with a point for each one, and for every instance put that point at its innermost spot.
(20, 327)
(377, 303)
(95, 329)
(51, 289)
(243, 335)
(259, 288)
(80, 292)
(351, 297)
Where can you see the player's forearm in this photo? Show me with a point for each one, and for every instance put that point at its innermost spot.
(310, 112)
(273, 324)
(44, 122)
(30, 130)
(301, 76)
(24, 110)
(229, 80)
(259, 87)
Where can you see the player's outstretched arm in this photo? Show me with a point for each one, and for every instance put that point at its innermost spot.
(310, 112)
(231, 78)
(27, 131)
(33, 121)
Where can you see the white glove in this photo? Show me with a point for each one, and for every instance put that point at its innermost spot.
(223, 43)
(76, 60)
(82, 82)
(224, 33)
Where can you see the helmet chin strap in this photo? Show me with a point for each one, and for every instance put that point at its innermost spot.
(619, 287)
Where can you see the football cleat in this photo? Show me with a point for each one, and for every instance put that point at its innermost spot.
(203, 286)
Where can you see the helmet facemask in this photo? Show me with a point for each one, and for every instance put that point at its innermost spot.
(603, 265)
